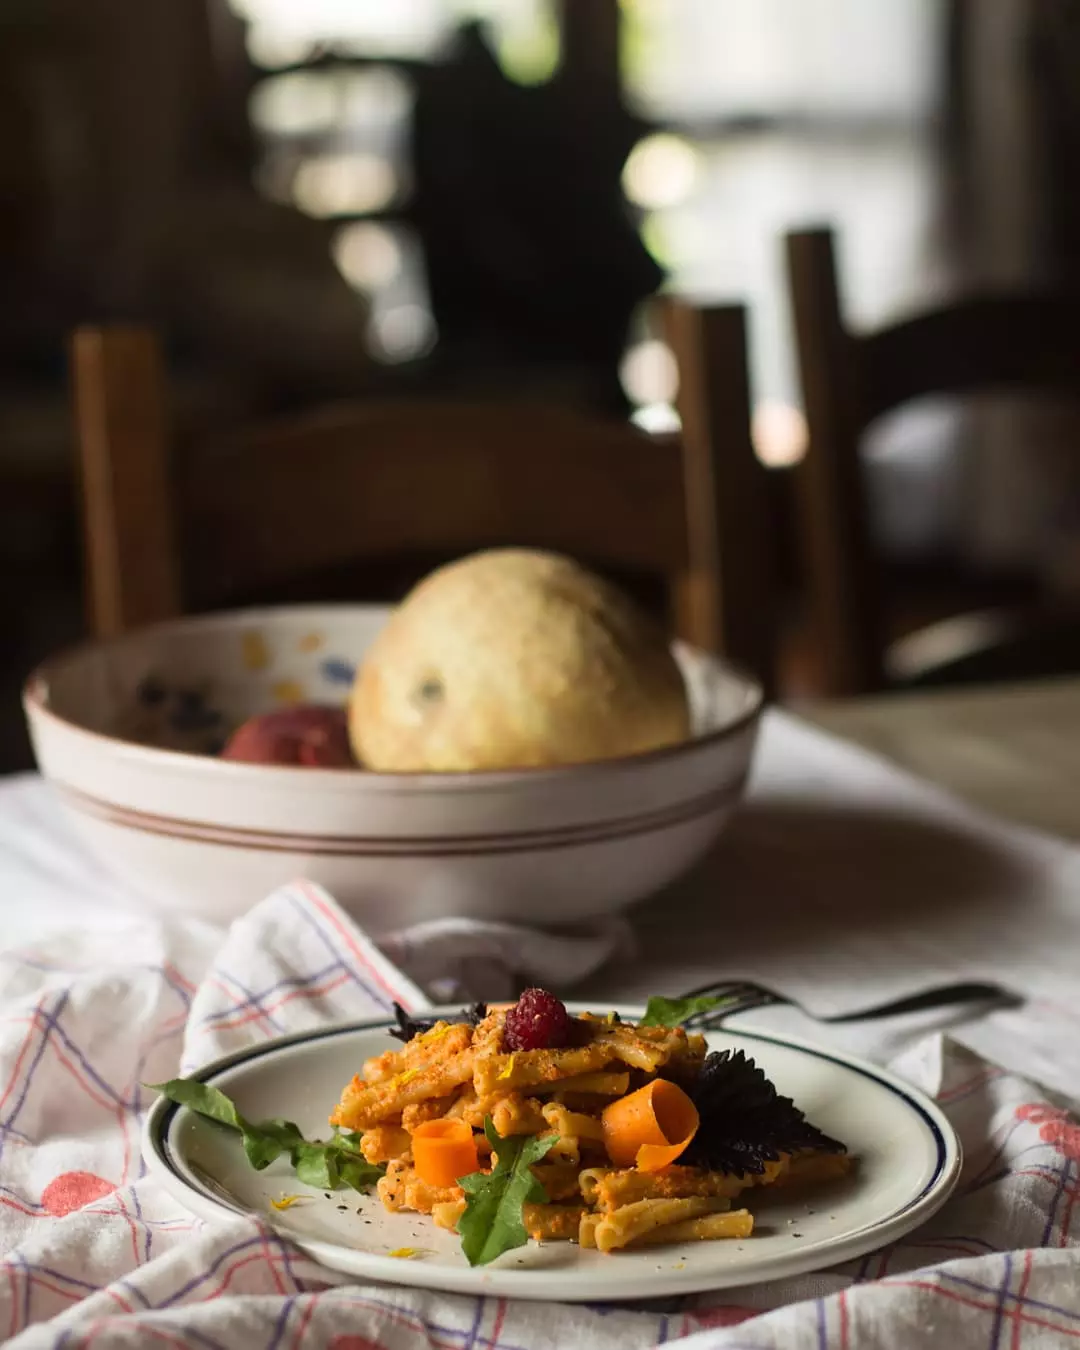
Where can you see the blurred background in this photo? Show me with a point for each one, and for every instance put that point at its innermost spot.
(321, 199)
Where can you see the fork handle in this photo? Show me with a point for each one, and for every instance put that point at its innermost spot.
(743, 996)
(942, 996)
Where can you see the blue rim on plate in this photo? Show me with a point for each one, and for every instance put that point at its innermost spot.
(159, 1153)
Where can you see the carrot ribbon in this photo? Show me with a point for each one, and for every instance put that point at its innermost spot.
(651, 1127)
(444, 1150)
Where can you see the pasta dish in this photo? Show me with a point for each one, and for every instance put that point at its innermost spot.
(529, 1122)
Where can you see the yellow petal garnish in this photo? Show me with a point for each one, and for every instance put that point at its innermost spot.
(406, 1077)
(509, 1067)
(612, 1018)
(407, 1253)
(436, 1034)
(286, 1201)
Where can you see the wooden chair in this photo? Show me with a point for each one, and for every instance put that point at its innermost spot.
(241, 515)
(983, 343)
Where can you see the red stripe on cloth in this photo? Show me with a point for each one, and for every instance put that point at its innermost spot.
(1025, 1279)
(272, 1258)
(90, 1092)
(1031, 1319)
(1046, 1174)
(255, 1013)
(172, 971)
(265, 1253)
(145, 1329)
(72, 1295)
(984, 1076)
(236, 1000)
(400, 1317)
(305, 1318)
(13, 1285)
(35, 1025)
(354, 947)
(130, 1222)
(21, 1209)
(121, 1303)
(500, 1318)
(125, 1166)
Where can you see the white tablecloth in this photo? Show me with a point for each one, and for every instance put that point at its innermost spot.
(840, 883)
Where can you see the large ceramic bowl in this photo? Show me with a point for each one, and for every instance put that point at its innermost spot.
(127, 730)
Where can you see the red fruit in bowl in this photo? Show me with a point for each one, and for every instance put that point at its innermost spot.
(307, 734)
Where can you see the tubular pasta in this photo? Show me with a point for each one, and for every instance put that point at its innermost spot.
(622, 1226)
(587, 1229)
(502, 1074)
(614, 1189)
(736, 1223)
(574, 1123)
(461, 1072)
(559, 1179)
(517, 1115)
(556, 1223)
(588, 1084)
(384, 1143)
(813, 1168)
(589, 1179)
(447, 1212)
(364, 1105)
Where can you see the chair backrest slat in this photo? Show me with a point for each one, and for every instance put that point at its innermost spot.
(132, 576)
(727, 500)
(982, 343)
(385, 479)
(841, 579)
(219, 521)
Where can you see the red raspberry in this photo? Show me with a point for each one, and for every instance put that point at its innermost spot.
(538, 1021)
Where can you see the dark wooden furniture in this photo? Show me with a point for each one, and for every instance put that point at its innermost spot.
(982, 343)
(217, 522)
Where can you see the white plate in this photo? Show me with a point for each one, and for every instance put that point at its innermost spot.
(908, 1162)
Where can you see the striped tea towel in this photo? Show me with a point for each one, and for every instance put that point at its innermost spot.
(96, 1255)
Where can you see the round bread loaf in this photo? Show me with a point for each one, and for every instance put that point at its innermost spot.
(513, 658)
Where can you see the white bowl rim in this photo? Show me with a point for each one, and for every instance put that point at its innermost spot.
(35, 703)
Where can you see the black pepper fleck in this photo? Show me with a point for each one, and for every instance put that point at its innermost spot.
(796, 1235)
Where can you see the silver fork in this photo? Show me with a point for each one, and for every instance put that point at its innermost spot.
(742, 995)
